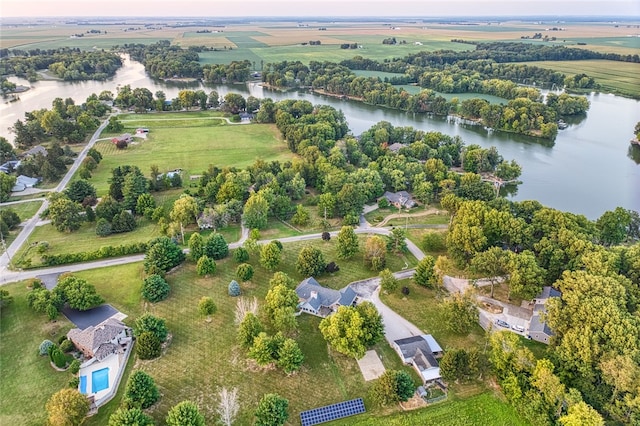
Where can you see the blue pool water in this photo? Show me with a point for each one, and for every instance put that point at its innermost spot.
(83, 385)
(99, 380)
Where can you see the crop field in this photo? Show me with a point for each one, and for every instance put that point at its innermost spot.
(191, 142)
(611, 75)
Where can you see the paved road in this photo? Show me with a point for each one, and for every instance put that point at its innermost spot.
(30, 224)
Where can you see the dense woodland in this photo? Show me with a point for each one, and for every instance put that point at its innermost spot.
(65, 63)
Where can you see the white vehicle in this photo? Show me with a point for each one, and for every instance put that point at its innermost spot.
(518, 328)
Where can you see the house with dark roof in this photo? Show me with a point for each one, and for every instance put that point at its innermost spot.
(421, 352)
(400, 199)
(538, 328)
(107, 338)
(126, 137)
(322, 301)
(395, 147)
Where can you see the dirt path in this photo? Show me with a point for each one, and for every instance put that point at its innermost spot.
(403, 215)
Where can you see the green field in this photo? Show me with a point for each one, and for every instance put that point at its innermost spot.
(24, 211)
(615, 76)
(189, 141)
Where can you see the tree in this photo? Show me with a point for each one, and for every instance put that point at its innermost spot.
(244, 272)
(148, 346)
(6, 183)
(234, 288)
(43, 349)
(344, 332)
(387, 281)
(526, 278)
(392, 387)
(425, 274)
(280, 278)
(78, 293)
(492, 263)
(290, 357)
(255, 212)
(5, 298)
(184, 211)
(129, 417)
(310, 262)
(348, 244)
(234, 103)
(581, 414)
(301, 216)
(145, 204)
(280, 305)
(103, 227)
(185, 413)
(205, 266)
(248, 330)
(67, 407)
(460, 313)
(613, 226)
(396, 240)
(216, 247)
(80, 189)
(265, 348)
(240, 255)
(375, 252)
(196, 246)
(270, 256)
(272, 410)
(228, 407)
(141, 391)
(206, 306)
(155, 288)
(65, 214)
(372, 326)
(152, 324)
(459, 365)
(123, 222)
(162, 255)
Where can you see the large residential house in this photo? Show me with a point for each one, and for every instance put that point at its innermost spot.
(400, 199)
(322, 301)
(421, 352)
(109, 337)
(538, 329)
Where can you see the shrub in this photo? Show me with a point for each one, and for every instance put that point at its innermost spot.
(326, 236)
(67, 346)
(185, 413)
(205, 266)
(74, 367)
(383, 203)
(332, 267)
(405, 291)
(240, 255)
(103, 227)
(44, 347)
(310, 262)
(74, 383)
(272, 410)
(148, 346)
(57, 357)
(234, 288)
(216, 247)
(244, 272)
(155, 288)
(130, 417)
(152, 324)
(206, 306)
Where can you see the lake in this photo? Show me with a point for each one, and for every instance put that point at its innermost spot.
(589, 169)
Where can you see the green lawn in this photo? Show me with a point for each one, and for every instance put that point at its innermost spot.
(191, 142)
(24, 211)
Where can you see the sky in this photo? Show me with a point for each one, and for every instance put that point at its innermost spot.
(310, 8)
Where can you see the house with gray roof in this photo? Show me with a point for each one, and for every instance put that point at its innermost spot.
(23, 182)
(421, 352)
(400, 199)
(538, 328)
(395, 147)
(38, 149)
(322, 301)
(109, 337)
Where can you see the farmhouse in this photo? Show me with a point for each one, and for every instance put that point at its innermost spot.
(107, 338)
(122, 138)
(420, 352)
(538, 329)
(400, 199)
(322, 301)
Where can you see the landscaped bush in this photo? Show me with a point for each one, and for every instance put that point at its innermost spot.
(67, 346)
(74, 382)
(44, 347)
(148, 346)
(332, 267)
(326, 236)
(140, 391)
(152, 324)
(234, 288)
(155, 288)
(206, 306)
(240, 255)
(57, 357)
(74, 367)
(244, 272)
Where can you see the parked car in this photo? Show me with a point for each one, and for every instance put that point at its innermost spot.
(502, 323)
(518, 328)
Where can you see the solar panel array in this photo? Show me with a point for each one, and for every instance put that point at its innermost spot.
(332, 412)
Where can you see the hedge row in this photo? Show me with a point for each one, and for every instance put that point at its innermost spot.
(101, 253)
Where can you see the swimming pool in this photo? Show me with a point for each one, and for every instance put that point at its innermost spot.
(83, 385)
(99, 380)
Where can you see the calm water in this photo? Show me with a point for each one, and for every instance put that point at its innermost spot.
(589, 169)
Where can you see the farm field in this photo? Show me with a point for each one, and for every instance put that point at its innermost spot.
(189, 141)
(624, 76)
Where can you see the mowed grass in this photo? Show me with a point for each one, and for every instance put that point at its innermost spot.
(191, 145)
(623, 77)
(28, 380)
(24, 211)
